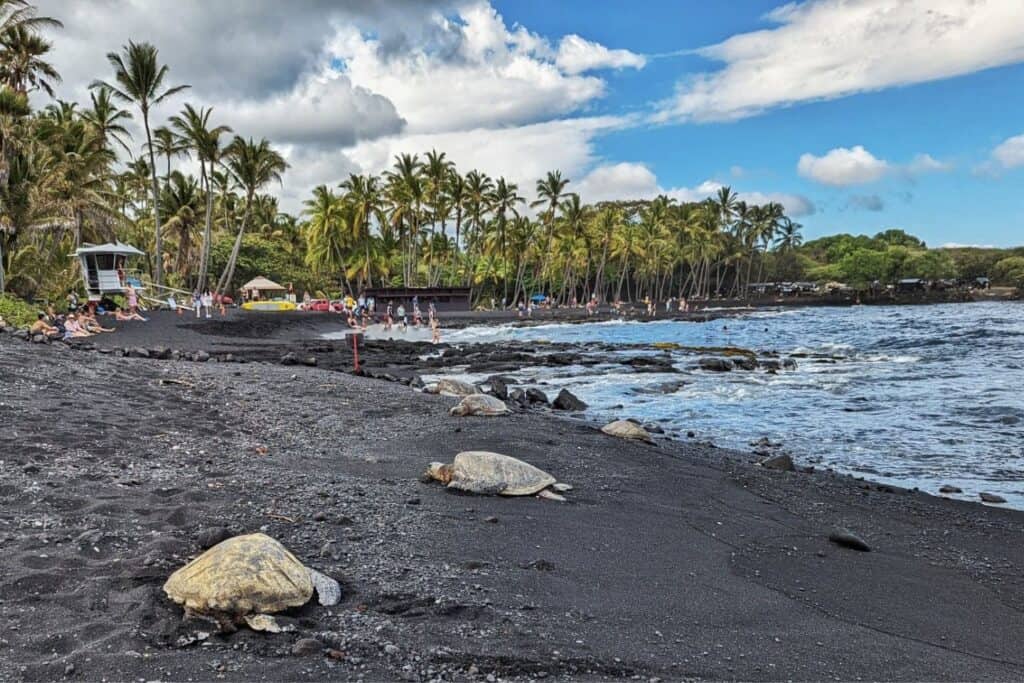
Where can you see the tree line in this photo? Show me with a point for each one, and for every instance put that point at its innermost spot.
(72, 173)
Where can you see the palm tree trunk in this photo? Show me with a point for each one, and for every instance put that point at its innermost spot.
(3, 275)
(229, 270)
(158, 262)
(204, 257)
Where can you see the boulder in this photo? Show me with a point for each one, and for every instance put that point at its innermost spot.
(947, 488)
(201, 356)
(309, 361)
(289, 359)
(991, 498)
(160, 353)
(566, 400)
(138, 352)
(626, 429)
(499, 388)
(780, 462)
(715, 364)
(481, 405)
(534, 395)
(448, 386)
(744, 363)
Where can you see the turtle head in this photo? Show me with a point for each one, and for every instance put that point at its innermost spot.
(439, 472)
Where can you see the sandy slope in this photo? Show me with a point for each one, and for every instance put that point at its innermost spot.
(671, 561)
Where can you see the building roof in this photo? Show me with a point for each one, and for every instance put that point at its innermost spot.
(262, 284)
(109, 248)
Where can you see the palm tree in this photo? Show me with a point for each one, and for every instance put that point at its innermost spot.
(181, 206)
(22, 66)
(106, 117)
(193, 126)
(364, 197)
(550, 193)
(407, 194)
(167, 144)
(327, 236)
(251, 166)
(140, 80)
(503, 200)
(478, 191)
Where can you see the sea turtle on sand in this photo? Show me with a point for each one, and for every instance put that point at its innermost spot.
(624, 429)
(245, 578)
(447, 386)
(486, 473)
(480, 404)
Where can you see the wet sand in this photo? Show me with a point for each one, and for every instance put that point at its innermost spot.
(673, 561)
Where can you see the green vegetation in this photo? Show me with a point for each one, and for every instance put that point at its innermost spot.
(16, 312)
(71, 174)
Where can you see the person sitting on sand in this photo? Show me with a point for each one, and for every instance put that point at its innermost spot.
(72, 328)
(121, 314)
(40, 326)
(88, 321)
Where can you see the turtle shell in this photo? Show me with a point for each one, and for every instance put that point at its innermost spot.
(449, 386)
(480, 404)
(242, 575)
(624, 429)
(482, 471)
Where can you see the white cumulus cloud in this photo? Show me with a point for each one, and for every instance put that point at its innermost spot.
(823, 49)
(842, 166)
(576, 55)
(1010, 152)
(631, 180)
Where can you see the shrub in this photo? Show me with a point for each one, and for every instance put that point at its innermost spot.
(16, 312)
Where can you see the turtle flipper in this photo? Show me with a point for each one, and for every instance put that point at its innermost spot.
(550, 495)
(328, 591)
(262, 622)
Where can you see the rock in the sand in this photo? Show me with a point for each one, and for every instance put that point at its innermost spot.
(534, 395)
(566, 400)
(486, 473)
(627, 429)
(991, 498)
(138, 352)
(653, 427)
(715, 364)
(948, 488)
(499, 388)
(304, 647)
(160, 353)
(848, 539)
(207, 538)
(309, 361)
(200, 356)
(289, 359)
(240, 579)
(448, 386)
(481, 405)
(780, 462)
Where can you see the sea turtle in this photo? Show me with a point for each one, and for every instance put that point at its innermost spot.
(245, 578)
(626, 429)
(487, 473)
(480, 404)
(448, 386)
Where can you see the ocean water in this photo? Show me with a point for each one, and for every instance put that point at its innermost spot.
(914, 396)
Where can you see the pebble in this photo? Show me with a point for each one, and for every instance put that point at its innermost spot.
(491, 520)
(304, 647)
(848, 539)
(413, 501)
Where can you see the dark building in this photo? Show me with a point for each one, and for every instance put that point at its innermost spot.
(451, 299)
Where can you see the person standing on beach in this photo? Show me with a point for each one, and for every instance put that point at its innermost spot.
(197, 303)
(133, 300)
(72, 301)
(401, 317)
(435, 330)
(207, 302)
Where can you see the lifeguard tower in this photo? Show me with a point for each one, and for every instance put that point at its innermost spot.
(104, 268)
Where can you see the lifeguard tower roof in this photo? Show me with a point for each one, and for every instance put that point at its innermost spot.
(109, 248)
(262, 284)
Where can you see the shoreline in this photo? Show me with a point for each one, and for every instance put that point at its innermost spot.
(679, 560)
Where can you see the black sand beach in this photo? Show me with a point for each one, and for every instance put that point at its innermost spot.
(670, 561)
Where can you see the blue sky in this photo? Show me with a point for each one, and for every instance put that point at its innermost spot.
(956, 120)
(856, 115)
